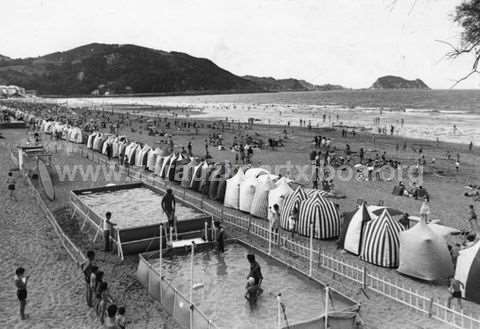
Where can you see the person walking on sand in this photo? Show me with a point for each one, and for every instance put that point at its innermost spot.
(168, 207)
(21, 283)
(455, 292)
(425, 210)
(11, 186)
(473, 219)
(107, 231)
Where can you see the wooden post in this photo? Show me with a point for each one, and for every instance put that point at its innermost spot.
(364, 277)
(430, 307)
(279, 311)
(327, 293)
(310, 263)
(269, 237)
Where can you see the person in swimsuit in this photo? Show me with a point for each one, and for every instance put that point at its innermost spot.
(11, 186)
(87, 269)
(220, 238)
(255, 273)
(21, 284)
(455, 292)
(168, 206)
(252, 291)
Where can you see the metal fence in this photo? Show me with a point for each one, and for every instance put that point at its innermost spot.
(394, 290)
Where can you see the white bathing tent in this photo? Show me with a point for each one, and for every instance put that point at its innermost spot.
(279, 193)
(247, 191)
(424, 254)
(468, 272)
(232, 190)
(259, 207)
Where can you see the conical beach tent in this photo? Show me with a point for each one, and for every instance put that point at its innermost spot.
(197, 176)
(424, 254)
(291, 201)
(215, 177)
(259, 207)
(468, 272)
(232, 190)
(322, 213)
(354, 233)
(222, 184)
(381, 241)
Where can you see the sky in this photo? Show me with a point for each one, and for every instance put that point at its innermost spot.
(347, 42)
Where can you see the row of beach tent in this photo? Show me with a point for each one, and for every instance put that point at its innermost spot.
(370, 232)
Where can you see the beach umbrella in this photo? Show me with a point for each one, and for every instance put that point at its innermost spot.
(232, 190)
(291, 201)
(259, 207)
(381, 241)
(378, 211)
(255, 172)
(467, 272)
(424, 254)
(322, 213)
(354, 233)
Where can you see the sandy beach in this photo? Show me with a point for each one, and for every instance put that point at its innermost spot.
(445, 185)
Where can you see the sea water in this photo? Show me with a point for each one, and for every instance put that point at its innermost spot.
(427, 114)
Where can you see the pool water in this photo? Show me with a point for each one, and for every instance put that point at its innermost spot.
(224, 277)
(135, 207)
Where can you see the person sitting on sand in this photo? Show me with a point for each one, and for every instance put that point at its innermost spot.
(120, 320)
(110, 317)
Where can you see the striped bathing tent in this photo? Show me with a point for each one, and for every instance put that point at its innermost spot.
(381, 241)
(222, 184)
(165, 165)
(259, 207)
(278, 194)
(424, 254)
(291, 201)
(355, 230)
(232, 190)
(181, 161)
(322, 213)
(247, 191)
(188, 173)
(468, 272)
(214, 179)
(206, 170)
(197, 176)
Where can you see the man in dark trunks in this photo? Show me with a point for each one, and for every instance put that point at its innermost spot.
(255, 272)
(168, 206)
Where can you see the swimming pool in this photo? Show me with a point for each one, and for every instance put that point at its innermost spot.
(137, 211)
(223, 278)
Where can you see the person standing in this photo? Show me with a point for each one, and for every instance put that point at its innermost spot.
(425, 210)
(168, 207)
(220, 237)
(87, 272)
(455, 292)
(473, 219)
(11, 186)
(275, 218)
(107, 231)
(189, 148)
(255, 270)
(21, 283)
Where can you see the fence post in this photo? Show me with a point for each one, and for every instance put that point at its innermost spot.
(430, 307)
(364, 277)
(249, 224)
(310, 263)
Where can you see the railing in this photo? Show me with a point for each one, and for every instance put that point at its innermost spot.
(396, 291)
(184, 311)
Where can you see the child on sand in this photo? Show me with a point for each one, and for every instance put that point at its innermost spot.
(11, 186)
(21, 284)
(252, 291)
